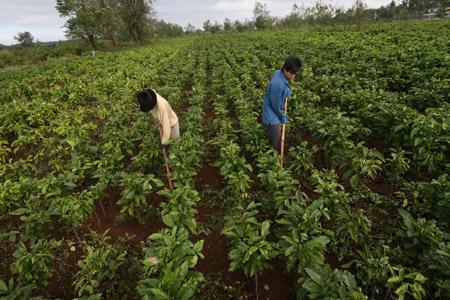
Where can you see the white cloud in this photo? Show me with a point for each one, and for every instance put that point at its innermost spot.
(234, 6)
(7, 39)
(280, 8)
(40, 20)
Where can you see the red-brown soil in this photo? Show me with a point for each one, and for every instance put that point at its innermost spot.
(209, 176)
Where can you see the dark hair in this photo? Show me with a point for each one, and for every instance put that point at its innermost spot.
(292, 64)
(146, 100)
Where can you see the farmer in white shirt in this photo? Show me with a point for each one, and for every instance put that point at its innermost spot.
(151, 101)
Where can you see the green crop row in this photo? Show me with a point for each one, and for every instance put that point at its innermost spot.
(360, 210)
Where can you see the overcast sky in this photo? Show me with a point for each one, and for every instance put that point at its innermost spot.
(42, 20)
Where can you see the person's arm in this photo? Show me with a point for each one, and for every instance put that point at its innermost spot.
(165, 123)
(277, 102)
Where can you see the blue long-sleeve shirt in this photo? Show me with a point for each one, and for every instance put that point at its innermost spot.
(276, 93)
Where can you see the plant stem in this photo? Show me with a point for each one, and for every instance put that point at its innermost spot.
(98, 220)
(103, 209)
(76, 235)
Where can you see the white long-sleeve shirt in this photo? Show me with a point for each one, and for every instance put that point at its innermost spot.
(165, 115)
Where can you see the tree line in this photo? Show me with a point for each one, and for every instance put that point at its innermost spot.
(135, 20)
(326, 14)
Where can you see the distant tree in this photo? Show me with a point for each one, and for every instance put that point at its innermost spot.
(216, 27)
(91, 19)
(85, 19)
(24, 38)
(207, 26)
(370, 15)
(388, 13)
(261, 15)
(227, 26)
(239, 26)
(243, 26)
(138, 17)
(189, 29)
(295, 18)
(111, 21)
(404, 16)
(416, 7)
(275, 23)
(341, 17)
(322, 13)
(358, 8)
(168, 29)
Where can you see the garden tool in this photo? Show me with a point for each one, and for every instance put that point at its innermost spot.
(165, 159)
(283, 131)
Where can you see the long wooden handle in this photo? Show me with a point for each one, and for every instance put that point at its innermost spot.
(283, 133)
(165, 158)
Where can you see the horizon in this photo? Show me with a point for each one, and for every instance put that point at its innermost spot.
(42, 20)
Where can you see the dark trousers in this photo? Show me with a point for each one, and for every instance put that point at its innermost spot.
(274, 133)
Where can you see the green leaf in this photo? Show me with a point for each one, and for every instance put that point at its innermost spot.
(420, 278)
(398, 128)
(167, 219)
(417, 291)
(343, 292)
(71, 185)
(314, 276)
(171, 283)
(326, 231)
(402, 289)
(312, 287)
(289, 240)
(155, 236)
(3, 286)
(19, 211)
(417, 141)
(186, 292)
(349, 264)
(378, 155)
(394, 279)
(10, 234)
(315, 205)
(321, 240)
(414, 131)
(265, 228)
(160, 294)
(283, 222)
(354, 180)
(346, 174)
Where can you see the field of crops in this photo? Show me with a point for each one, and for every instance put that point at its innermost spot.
(360, 210)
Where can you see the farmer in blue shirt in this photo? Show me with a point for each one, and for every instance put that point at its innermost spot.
(273, 108)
